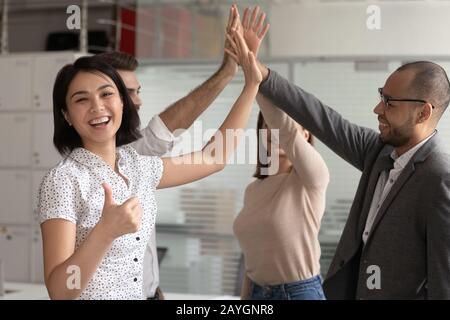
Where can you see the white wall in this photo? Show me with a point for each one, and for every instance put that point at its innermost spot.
(408, 28)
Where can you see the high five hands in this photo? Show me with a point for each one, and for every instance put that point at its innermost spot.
(252, 30)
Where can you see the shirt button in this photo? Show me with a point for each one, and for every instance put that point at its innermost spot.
(135, 259)
(391, 181)
(366, 233)
(137, 238)
(135, 279)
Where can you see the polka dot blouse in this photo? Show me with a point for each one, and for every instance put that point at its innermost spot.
(73, 191)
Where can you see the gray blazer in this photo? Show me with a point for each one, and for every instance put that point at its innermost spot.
(410, 237)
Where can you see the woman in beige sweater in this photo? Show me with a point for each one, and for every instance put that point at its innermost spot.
(279, 224)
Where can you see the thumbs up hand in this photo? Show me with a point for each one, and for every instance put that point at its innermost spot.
(118, 220)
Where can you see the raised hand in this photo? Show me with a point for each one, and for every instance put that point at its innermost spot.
(234, 23)
(245, 58)
(254, 29)
(118, 220)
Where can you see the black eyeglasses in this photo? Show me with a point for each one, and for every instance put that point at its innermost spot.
(387, 100)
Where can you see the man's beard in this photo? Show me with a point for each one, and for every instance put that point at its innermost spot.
(400, 136)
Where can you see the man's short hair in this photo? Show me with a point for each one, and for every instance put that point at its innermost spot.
(430, 83)
(119, 60)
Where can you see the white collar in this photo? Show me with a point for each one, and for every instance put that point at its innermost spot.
(402, 161)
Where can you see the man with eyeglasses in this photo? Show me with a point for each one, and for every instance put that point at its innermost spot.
(396, 242)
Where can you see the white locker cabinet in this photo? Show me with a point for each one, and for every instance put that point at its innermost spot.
(27, 153)
(44, 153)
(15, 83)
(15, 196)
(45, 69)
(15, 252)
(15, 139)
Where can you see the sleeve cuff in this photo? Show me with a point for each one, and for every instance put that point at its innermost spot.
(160, 129)
(53, 215)
(265, 85)
(268, 76)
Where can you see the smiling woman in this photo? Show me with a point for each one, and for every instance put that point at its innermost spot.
(80, 94)
(96, 115)
(97, 207)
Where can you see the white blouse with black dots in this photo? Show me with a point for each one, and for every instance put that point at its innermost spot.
(73, 191)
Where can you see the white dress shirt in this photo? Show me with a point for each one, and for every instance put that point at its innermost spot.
(156, 139)
(73, 191)
(385, 183)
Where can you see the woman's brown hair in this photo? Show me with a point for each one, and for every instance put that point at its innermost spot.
(261, 149)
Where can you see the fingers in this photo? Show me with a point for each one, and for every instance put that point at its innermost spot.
(232, 43)
(262, 34)
(235, 22)
(253, 19)
(258, 26)
(131, 203)
(133, 213)
(246, 19)
(241, 46)
(232, 55)
(230, 18)
(135, 205)
(108, 194)
(238, 45)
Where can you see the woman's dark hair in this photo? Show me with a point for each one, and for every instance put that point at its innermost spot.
(261, 149)
(65, 137)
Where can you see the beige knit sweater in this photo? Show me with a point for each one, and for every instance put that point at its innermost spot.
(279, 224)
